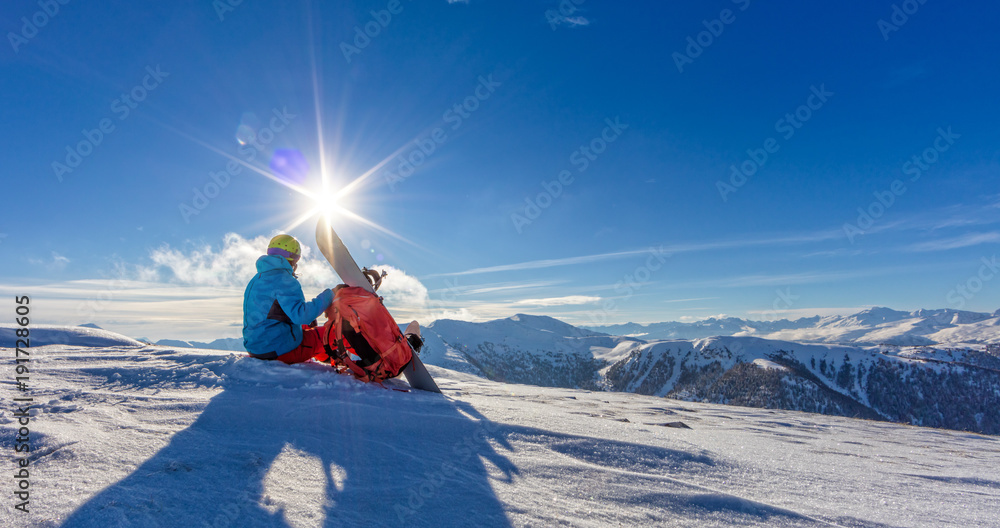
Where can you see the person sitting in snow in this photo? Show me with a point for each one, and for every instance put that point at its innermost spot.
(278, 323)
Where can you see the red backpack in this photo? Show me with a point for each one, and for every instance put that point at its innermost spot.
(362, 336)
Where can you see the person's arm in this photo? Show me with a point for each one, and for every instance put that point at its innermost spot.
(294, 304)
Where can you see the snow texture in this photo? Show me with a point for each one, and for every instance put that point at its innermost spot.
(124, 435)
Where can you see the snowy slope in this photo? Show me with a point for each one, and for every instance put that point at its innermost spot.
(153, 436)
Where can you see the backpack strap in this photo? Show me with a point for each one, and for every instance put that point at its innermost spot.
(351, 344)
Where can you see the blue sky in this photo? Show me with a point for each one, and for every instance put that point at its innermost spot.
(586, 173)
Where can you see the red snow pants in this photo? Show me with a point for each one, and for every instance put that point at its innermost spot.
(311, 347)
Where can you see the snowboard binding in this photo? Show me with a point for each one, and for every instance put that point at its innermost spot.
(374, 277)
(416, 342)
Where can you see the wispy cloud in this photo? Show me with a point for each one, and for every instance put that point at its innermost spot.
(818, 236)
(57, 262)
(946, 217)
(906, 74)
(841, 252)
(546, 263)
(967, 240)
(691, 300)
(785, 279)
(481, 289)
(811, 277)
(570, 21)
(558, 301)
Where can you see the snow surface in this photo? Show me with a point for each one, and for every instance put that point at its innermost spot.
(154, 436)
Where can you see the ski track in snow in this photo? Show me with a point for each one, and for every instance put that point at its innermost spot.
(153, 436)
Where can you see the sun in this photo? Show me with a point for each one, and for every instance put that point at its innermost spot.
(325, 201)
(326, 204)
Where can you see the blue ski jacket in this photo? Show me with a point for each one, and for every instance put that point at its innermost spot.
(274, 308)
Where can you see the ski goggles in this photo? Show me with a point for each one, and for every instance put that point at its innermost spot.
(284, 253)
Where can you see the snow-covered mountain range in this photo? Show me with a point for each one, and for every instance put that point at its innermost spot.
(953, 387)
(227, 343)
(869, 327)
(874, 326)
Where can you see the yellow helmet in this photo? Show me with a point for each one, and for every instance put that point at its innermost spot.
(285, 246)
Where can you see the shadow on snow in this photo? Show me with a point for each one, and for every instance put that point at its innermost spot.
(369, 457)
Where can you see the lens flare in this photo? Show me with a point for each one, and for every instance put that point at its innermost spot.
(290, 165)
(246, 132)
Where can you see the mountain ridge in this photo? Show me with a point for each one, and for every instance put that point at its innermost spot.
(873, 326)
(939, 386)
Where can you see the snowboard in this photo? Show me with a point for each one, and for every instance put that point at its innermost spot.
(416, 373)
(333, 248)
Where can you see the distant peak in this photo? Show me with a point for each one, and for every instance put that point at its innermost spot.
(524, 318)
(878, 310)
(881, 312)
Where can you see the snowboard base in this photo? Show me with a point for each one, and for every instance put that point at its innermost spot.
(418, 377)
